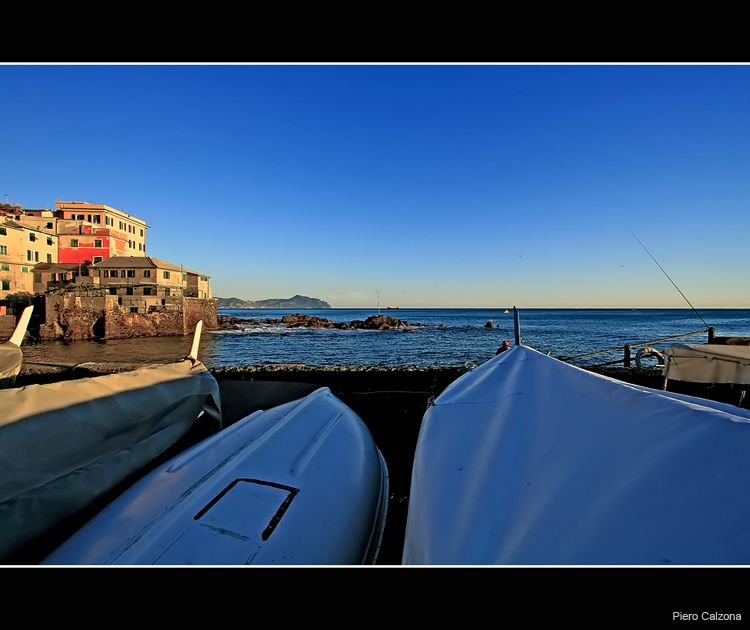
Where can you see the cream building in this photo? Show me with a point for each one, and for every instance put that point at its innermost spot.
(22, 247)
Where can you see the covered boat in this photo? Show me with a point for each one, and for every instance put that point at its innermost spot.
(527, 460)
(63, 446)
(11, 355)
(300, 483)
(707, 363)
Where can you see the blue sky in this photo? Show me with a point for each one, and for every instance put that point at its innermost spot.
(434, 185)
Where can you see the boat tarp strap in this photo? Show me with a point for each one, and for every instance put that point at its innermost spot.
(65, 444)
(707, 363)
(527, 460)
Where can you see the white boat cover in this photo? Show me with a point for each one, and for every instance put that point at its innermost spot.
(527, 460)
(65, 444)
(707, 363)
(302, 483)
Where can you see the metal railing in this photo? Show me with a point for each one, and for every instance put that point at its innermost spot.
(626, 348)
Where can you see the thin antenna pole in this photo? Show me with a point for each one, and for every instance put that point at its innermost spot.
(668, 278)
(516, 327)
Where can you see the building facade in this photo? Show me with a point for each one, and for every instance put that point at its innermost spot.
(92, 232)
(144, 283)
(21, 248)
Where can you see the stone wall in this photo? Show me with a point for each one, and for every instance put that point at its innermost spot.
(72, 317)
(196, 309)
(7, 326)
(78, 317)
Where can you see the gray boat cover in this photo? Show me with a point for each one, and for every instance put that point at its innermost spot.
(527, 460)
(11, 357)
(707, 363)
(64, 445)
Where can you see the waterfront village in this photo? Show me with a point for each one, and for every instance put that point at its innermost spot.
(85, 269)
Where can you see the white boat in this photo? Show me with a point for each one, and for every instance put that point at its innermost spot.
(301, 483)
(11, 355)
(526, 460)
(64, 446)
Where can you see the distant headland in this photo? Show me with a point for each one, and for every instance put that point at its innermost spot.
(298, 301)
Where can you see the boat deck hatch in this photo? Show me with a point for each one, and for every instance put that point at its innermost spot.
(245, 513)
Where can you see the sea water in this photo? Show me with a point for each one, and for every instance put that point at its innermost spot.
(450, 337)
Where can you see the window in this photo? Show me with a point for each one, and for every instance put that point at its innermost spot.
(3, 232)
(129, 291)
(79, 217)
(113, 291)
(4, 249)
(106, 273)
(24, 270)
(29, 255)
(146, 290)
(140, 247)
(50, 225)
(113, 273)
(167, 292)
(74, 242)
(53, 277)
(5, 267)
(88, 218)
(184, 277)
(37, 277)
(6, 285)
(133, 309)
(146, 273)
(166, 275)
(49, 241)
(32, 237)
(36, 256)
(97, 242)
(98, 259)
(122, 225)
(49, 258)
(97, 218)
(131, 273)
(141, 233)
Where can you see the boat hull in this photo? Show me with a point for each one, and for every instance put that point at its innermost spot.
(302, 483)
(527, 460)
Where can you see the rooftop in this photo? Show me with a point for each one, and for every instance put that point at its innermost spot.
(139, 262)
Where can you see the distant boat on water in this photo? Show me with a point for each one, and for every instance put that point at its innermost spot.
(392, 308)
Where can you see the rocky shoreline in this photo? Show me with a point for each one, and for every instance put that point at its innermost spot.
(299, 320)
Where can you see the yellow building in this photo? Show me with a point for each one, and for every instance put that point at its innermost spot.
(146, 282)
(22, 247)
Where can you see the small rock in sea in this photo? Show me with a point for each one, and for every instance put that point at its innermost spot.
(490, 324)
